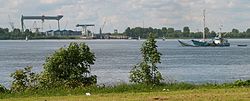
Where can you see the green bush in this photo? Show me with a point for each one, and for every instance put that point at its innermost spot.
(24, 79)
(3, 89)
(242, 83)
(69, 66)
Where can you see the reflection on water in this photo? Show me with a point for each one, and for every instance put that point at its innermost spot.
(114, 59)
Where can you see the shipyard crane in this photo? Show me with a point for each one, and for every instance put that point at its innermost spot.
(35, 27)
(84, 28)
(102, 27)
(43, 18)
(104, 23)
(11, 23)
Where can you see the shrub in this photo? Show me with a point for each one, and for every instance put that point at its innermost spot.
(69, 66)
(147, 71)
(242, 83)
(3, 89)
(23, 79)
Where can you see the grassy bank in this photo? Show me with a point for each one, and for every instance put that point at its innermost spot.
(122, 89)
(231, 94)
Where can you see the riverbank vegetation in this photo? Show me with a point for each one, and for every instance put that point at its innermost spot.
(185, 33)
(128, 89)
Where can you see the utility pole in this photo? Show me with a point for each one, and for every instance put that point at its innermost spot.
(204, 19)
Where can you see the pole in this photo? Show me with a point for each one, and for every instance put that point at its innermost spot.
(58, 24)
(22, 23)
(204, 19)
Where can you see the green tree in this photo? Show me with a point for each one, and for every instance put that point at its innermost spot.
(212, 34)
(170, 30)
(248, 30)
(248, 33)
(207, 31)
(128, 31)
(235, 31)
(69, 66)
(186, 31)
(147, 71)
(164, 31)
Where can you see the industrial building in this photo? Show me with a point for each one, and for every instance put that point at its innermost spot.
(63, 33)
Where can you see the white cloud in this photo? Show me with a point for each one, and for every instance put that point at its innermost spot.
(231, 4)
(48, 1)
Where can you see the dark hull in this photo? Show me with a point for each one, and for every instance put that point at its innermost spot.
(207, 44)
(201, 44)
(242, 45)
(185, 44)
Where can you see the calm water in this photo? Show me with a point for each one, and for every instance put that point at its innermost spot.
(114, 59)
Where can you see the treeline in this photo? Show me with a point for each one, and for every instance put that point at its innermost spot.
(184, 33)
(15, 34)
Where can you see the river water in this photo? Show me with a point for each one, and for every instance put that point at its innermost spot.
(114, 59)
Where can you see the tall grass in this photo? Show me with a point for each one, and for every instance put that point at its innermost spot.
(121, 88)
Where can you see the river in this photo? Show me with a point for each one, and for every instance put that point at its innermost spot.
(115, 58)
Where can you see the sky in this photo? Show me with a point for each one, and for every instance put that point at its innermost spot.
(120, 14)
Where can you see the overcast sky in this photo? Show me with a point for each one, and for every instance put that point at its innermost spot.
(119, 14)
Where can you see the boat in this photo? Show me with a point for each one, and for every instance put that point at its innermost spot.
(242, 45)
(163, 38)
(26, 38)
(218, 41)
(139, 38)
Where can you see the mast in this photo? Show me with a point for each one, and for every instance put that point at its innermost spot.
(204, 26)
(220, 36)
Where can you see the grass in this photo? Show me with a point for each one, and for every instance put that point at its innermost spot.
(134, 92)
(230, 94)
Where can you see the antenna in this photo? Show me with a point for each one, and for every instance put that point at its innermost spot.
(220, 31)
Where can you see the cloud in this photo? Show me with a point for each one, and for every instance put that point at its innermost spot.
(120, 14)
(48, 1)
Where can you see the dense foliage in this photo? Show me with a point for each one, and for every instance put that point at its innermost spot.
(24, 79)
(3, 89)
(185, 33)
(147, 71)
(242, 83)
(70, 66)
